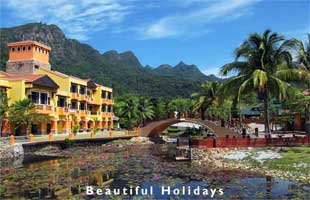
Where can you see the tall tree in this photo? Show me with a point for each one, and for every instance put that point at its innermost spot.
(256, 64)
(204, 98)
(3, 108)
(126, 108)
(302, 53)
(180, 105)
(145, 110)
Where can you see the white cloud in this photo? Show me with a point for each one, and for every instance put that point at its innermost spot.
(77, 18)
(211, 70)
(196, 20)
(80, 18)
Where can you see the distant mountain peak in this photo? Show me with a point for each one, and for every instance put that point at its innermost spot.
(120, 70)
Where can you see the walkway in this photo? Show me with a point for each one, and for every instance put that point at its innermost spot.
(157, 127)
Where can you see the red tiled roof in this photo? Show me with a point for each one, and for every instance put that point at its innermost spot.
(27, 78)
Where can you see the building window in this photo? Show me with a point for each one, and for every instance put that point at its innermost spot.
(73, 88)
(13, 49)
(18, 48)
(61, 102)
(103, 94)
(37, 66)
(109, 95)
(109, 108)
(29, 48)
(24, 48)
(40, 98)
(82, 106)
(74, 105)
(82, 90)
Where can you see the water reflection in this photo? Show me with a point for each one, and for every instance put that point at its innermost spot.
(118, 167)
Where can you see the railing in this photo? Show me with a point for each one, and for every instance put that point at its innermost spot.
(107, 101)
(10, 140)
(74, 95)
(82, 112)
(62, 110)
(44, 108)
(248, 142)
(82, 97)
(93, 112)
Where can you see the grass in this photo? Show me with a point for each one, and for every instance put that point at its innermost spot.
(291, 158)
(293, 164)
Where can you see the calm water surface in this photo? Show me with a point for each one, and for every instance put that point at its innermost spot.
(144, 166)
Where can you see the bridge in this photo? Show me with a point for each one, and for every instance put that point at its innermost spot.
(157, 127)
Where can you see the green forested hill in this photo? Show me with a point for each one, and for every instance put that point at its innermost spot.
(122, 71)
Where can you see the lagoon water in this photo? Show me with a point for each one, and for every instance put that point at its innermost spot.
(120, 166)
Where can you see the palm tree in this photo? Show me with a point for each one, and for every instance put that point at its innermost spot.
(204, 98)
(256, 64)
(145, 110)
(181, 105)
(23, 113)
(127, 109)
(302, 52)
(3, 108)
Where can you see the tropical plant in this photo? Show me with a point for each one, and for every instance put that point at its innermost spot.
(22, 112)
(75, 129)
(145, 110)
(3, 108)
(256, 64)
(126, 107)
(204, 98)
(95, 130)
(302, 53)
(180, 105)
(159, 108)
(220, 109)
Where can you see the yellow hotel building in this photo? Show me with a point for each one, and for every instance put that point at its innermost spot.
(68, 100)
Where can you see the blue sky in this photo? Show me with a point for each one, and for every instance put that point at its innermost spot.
(201, 32)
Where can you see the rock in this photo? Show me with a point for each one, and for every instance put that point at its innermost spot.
(141, 140)
(11, 151)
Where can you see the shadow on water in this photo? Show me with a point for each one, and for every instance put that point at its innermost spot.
(140, 165)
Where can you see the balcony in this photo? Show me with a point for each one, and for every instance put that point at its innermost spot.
(44, 109)
(82, 97)
(73, 111)
(107, 101)
(62, 111)
(89, 100)
(107, 114)
(82, 113)
(104, 114)
(74, 96)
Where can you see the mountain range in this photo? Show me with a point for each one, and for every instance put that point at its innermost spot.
(122, 71)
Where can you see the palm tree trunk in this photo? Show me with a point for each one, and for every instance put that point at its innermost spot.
(266, 113)
(307, 117)
(202, 114)
(1, 121)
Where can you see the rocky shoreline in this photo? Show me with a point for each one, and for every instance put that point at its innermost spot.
(216, 158)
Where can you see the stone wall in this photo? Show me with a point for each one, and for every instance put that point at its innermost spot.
(24, 67)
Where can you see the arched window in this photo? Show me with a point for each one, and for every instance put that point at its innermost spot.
(18, 48)
(29, 48)
(24, 48)
(13, 49)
